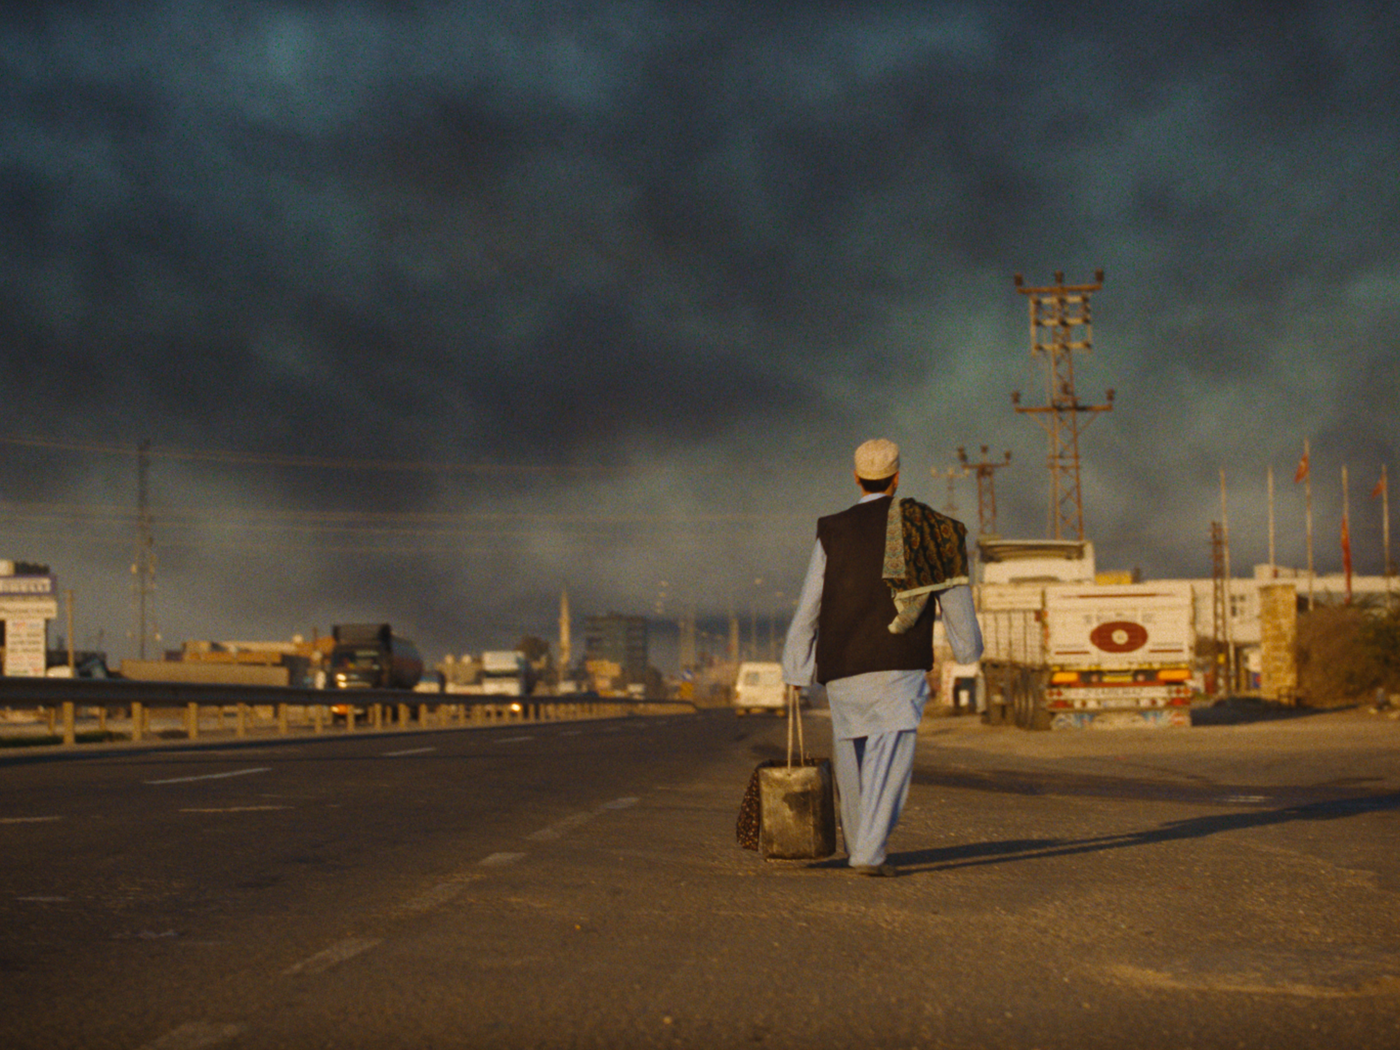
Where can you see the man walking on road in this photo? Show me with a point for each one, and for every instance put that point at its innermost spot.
(864, 628)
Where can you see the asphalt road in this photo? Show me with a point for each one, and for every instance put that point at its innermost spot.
(562, 885)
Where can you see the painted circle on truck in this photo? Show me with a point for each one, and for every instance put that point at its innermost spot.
(1119, 636)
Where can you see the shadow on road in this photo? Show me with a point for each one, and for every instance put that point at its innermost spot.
(985, 853)
(1239, 710)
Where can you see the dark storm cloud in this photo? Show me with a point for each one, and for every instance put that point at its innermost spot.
(654, 241)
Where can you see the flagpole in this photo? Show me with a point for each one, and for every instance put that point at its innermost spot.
(1346, 532)
(1273, 565)
(1307, 490)
(1385, 532)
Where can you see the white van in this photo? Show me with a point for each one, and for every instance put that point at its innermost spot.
(758, 688)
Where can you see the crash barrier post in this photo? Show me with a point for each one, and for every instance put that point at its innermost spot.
(62, 704)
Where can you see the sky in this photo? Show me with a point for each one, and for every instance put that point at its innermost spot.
(429, 311)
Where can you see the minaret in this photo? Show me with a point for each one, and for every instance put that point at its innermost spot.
(566, 649)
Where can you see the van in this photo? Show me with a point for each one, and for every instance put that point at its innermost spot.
(759, 688)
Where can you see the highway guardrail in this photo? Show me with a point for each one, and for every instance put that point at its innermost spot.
(189, 709)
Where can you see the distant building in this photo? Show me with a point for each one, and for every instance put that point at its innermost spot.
(28, 601)
(620, 640)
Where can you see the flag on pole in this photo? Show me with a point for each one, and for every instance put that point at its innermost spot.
(1379, 490)
(1302, 473)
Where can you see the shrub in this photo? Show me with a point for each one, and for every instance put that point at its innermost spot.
(1346, 652)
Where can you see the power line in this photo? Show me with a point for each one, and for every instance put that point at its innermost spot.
(283, 460)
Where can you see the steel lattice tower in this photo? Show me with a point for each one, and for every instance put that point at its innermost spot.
(986, 489)
(952, 474)
(1220, 607)
(1060, 325)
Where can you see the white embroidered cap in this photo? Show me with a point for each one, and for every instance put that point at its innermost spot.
(877, 458)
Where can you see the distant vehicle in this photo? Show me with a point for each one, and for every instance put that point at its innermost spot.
(1078, 655)
(370, 656)
(431, 682)
(91, 665)
(505, 672)
(759, 689)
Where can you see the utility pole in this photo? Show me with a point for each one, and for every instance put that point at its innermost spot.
(144, 568)
(1229, 585)
(952, 474)
(986, 489)
(1219, 605)
(1060, 325)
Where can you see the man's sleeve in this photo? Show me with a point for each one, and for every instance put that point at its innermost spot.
(800, 649)
(960, 624)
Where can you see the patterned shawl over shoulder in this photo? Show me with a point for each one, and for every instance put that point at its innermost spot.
(925, 552)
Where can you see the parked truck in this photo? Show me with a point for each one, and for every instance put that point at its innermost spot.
(1076, 655)
(372, 656)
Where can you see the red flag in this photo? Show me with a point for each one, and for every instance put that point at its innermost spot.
(1346, 554)
(1302, 469)
(1379, 489)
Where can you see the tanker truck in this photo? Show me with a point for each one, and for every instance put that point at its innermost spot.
(370, 656)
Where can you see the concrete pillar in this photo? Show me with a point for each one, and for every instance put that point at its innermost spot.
(1278, 634)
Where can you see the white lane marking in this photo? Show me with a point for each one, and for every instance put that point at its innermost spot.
(44, 900)
(195, 1036)
(513, 739)
(234, 809)
(212, 776)
(336, 953)
(429, 899)
(28, 820)
(1244, 799)
(497, 860)
(410, 751)
(559, 827)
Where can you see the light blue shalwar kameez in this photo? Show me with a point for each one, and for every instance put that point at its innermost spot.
(874, 716)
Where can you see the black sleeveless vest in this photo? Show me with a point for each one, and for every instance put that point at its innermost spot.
(853, 634)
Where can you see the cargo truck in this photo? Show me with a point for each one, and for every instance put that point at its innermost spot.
(505, 672)
(1075, 655)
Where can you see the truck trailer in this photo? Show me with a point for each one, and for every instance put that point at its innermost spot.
(1076, 655)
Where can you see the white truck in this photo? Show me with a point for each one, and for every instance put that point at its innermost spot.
(759, 688)
(505, 673)
(1078, 655)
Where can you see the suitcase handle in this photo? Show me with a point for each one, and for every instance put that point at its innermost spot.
(794, 704)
